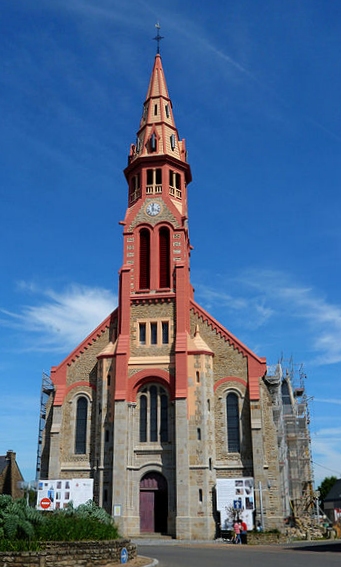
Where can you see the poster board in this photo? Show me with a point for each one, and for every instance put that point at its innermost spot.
(56, 494)
(237, 495)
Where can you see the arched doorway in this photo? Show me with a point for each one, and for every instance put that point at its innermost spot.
(153, 503)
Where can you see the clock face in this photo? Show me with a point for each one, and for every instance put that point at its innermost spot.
(153, 209)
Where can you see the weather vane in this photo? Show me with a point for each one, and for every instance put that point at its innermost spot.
(158, 37)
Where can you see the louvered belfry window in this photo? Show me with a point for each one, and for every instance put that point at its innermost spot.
(144, 259)
(164, 244)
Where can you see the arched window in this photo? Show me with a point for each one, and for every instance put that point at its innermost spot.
(164, 417)
(144, 259)
(143, 419)
(153, 413)
(233, 432)
(164, 250)
(81, 425)
(153, 402)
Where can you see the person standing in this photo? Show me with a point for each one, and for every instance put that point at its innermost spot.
(243, 532)
(236, 528)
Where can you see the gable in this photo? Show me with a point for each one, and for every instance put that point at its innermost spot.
(89, 348)
(231, 356)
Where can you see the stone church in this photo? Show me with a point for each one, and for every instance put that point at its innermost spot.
(161, 403)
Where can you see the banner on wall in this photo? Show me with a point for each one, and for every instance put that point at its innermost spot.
(56, 494)
(235, 497)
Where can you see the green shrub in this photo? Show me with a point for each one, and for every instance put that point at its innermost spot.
(17, 520)
(87, 522)
(23, 528)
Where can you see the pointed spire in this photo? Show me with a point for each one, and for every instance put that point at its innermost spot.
(157, 134)
(157, 84)
(197, 344)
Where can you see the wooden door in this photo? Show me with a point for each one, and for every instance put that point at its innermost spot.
(147, 507)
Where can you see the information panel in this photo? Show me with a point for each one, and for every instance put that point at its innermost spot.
(235, 497)
(56, 494)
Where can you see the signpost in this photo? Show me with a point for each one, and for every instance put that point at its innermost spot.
(124, 555)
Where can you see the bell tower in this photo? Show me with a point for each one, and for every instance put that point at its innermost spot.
(157, 176)
(156, 251)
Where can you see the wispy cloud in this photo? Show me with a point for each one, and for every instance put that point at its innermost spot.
(297, 301)
(265, 297)
(328, 401)
(253, 310)
(60, 319)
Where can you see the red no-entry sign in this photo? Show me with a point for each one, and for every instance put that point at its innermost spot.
(45, 503)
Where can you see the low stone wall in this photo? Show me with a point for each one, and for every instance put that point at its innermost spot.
(266, 538)
(71, 554)
(259, 538)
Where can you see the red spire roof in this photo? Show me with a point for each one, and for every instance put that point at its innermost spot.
(157, 84)
(157, 134)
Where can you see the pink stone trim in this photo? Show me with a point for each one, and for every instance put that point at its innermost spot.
(229, 379)
(146, 377)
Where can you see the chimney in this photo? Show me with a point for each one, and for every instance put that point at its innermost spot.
(10, 456)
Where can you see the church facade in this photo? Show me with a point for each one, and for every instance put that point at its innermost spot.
(161, 402)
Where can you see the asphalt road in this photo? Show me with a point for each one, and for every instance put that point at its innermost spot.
(174, 554)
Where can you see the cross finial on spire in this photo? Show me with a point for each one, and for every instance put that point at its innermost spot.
(158, 37)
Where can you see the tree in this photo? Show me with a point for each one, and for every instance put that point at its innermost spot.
(325, 486)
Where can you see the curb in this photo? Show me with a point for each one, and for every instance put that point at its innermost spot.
(153, 563)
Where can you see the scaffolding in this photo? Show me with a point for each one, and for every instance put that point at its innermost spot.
(291, 418)
(47, 389)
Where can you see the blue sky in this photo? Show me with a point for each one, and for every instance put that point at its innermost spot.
(256, 89)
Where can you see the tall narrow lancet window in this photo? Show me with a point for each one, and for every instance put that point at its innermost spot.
(153, 402)
(164, 417)
(144, 259)
(164, 249)
(81, 426)
(143, 418)
(233, 432)
(153, 413)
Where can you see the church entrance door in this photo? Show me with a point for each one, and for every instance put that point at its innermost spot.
(153, 503)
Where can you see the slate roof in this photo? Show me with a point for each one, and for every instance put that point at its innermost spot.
(3, 463)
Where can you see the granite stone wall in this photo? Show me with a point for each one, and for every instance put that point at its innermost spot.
(71, 554)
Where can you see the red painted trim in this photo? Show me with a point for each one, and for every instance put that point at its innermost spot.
(59, 373)
(123, 341)
(160, 296)
(80, 383)
(146, 377)
(229, 379)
